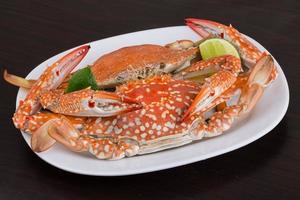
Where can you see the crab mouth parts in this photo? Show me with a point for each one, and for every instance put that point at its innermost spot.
(151, 70)
(133, 74)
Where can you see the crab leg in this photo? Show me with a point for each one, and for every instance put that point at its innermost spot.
(232, 94)
(38, 125)
(50, 79)
(227, 68)
(251, 92)
(218, 123)
(105, 147)
(87, 102)
(259, 78)
(213, 87)
(17, 81)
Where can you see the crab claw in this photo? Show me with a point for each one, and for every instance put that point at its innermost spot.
(54, 75)
(87, 102)
(103, 147)
(206, 28)
(213, 87)
(50, 79)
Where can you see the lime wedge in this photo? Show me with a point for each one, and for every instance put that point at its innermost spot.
(215, 47)
(81, 79)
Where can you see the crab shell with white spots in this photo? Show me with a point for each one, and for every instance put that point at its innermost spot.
(155, 127)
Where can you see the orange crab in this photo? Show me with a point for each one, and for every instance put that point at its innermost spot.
(157, 112)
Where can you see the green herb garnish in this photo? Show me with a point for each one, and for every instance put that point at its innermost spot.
(81, 79)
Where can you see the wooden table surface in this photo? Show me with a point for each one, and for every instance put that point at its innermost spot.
(32, 31)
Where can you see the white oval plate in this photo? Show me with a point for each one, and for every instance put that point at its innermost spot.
(266, 115)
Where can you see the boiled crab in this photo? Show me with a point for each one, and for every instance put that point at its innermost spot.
(151, 114)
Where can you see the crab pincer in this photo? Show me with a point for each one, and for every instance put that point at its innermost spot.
(249, 53)
(206, 28)
(50, 79)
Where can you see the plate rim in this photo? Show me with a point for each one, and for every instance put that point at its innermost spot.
(178, 163)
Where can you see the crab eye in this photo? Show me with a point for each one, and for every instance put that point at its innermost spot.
(222, 35)
(91, 104)
(162, 65)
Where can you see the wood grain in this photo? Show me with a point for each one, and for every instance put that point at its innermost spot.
(32, 31)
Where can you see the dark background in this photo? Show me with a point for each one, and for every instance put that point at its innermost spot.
(32, 31)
